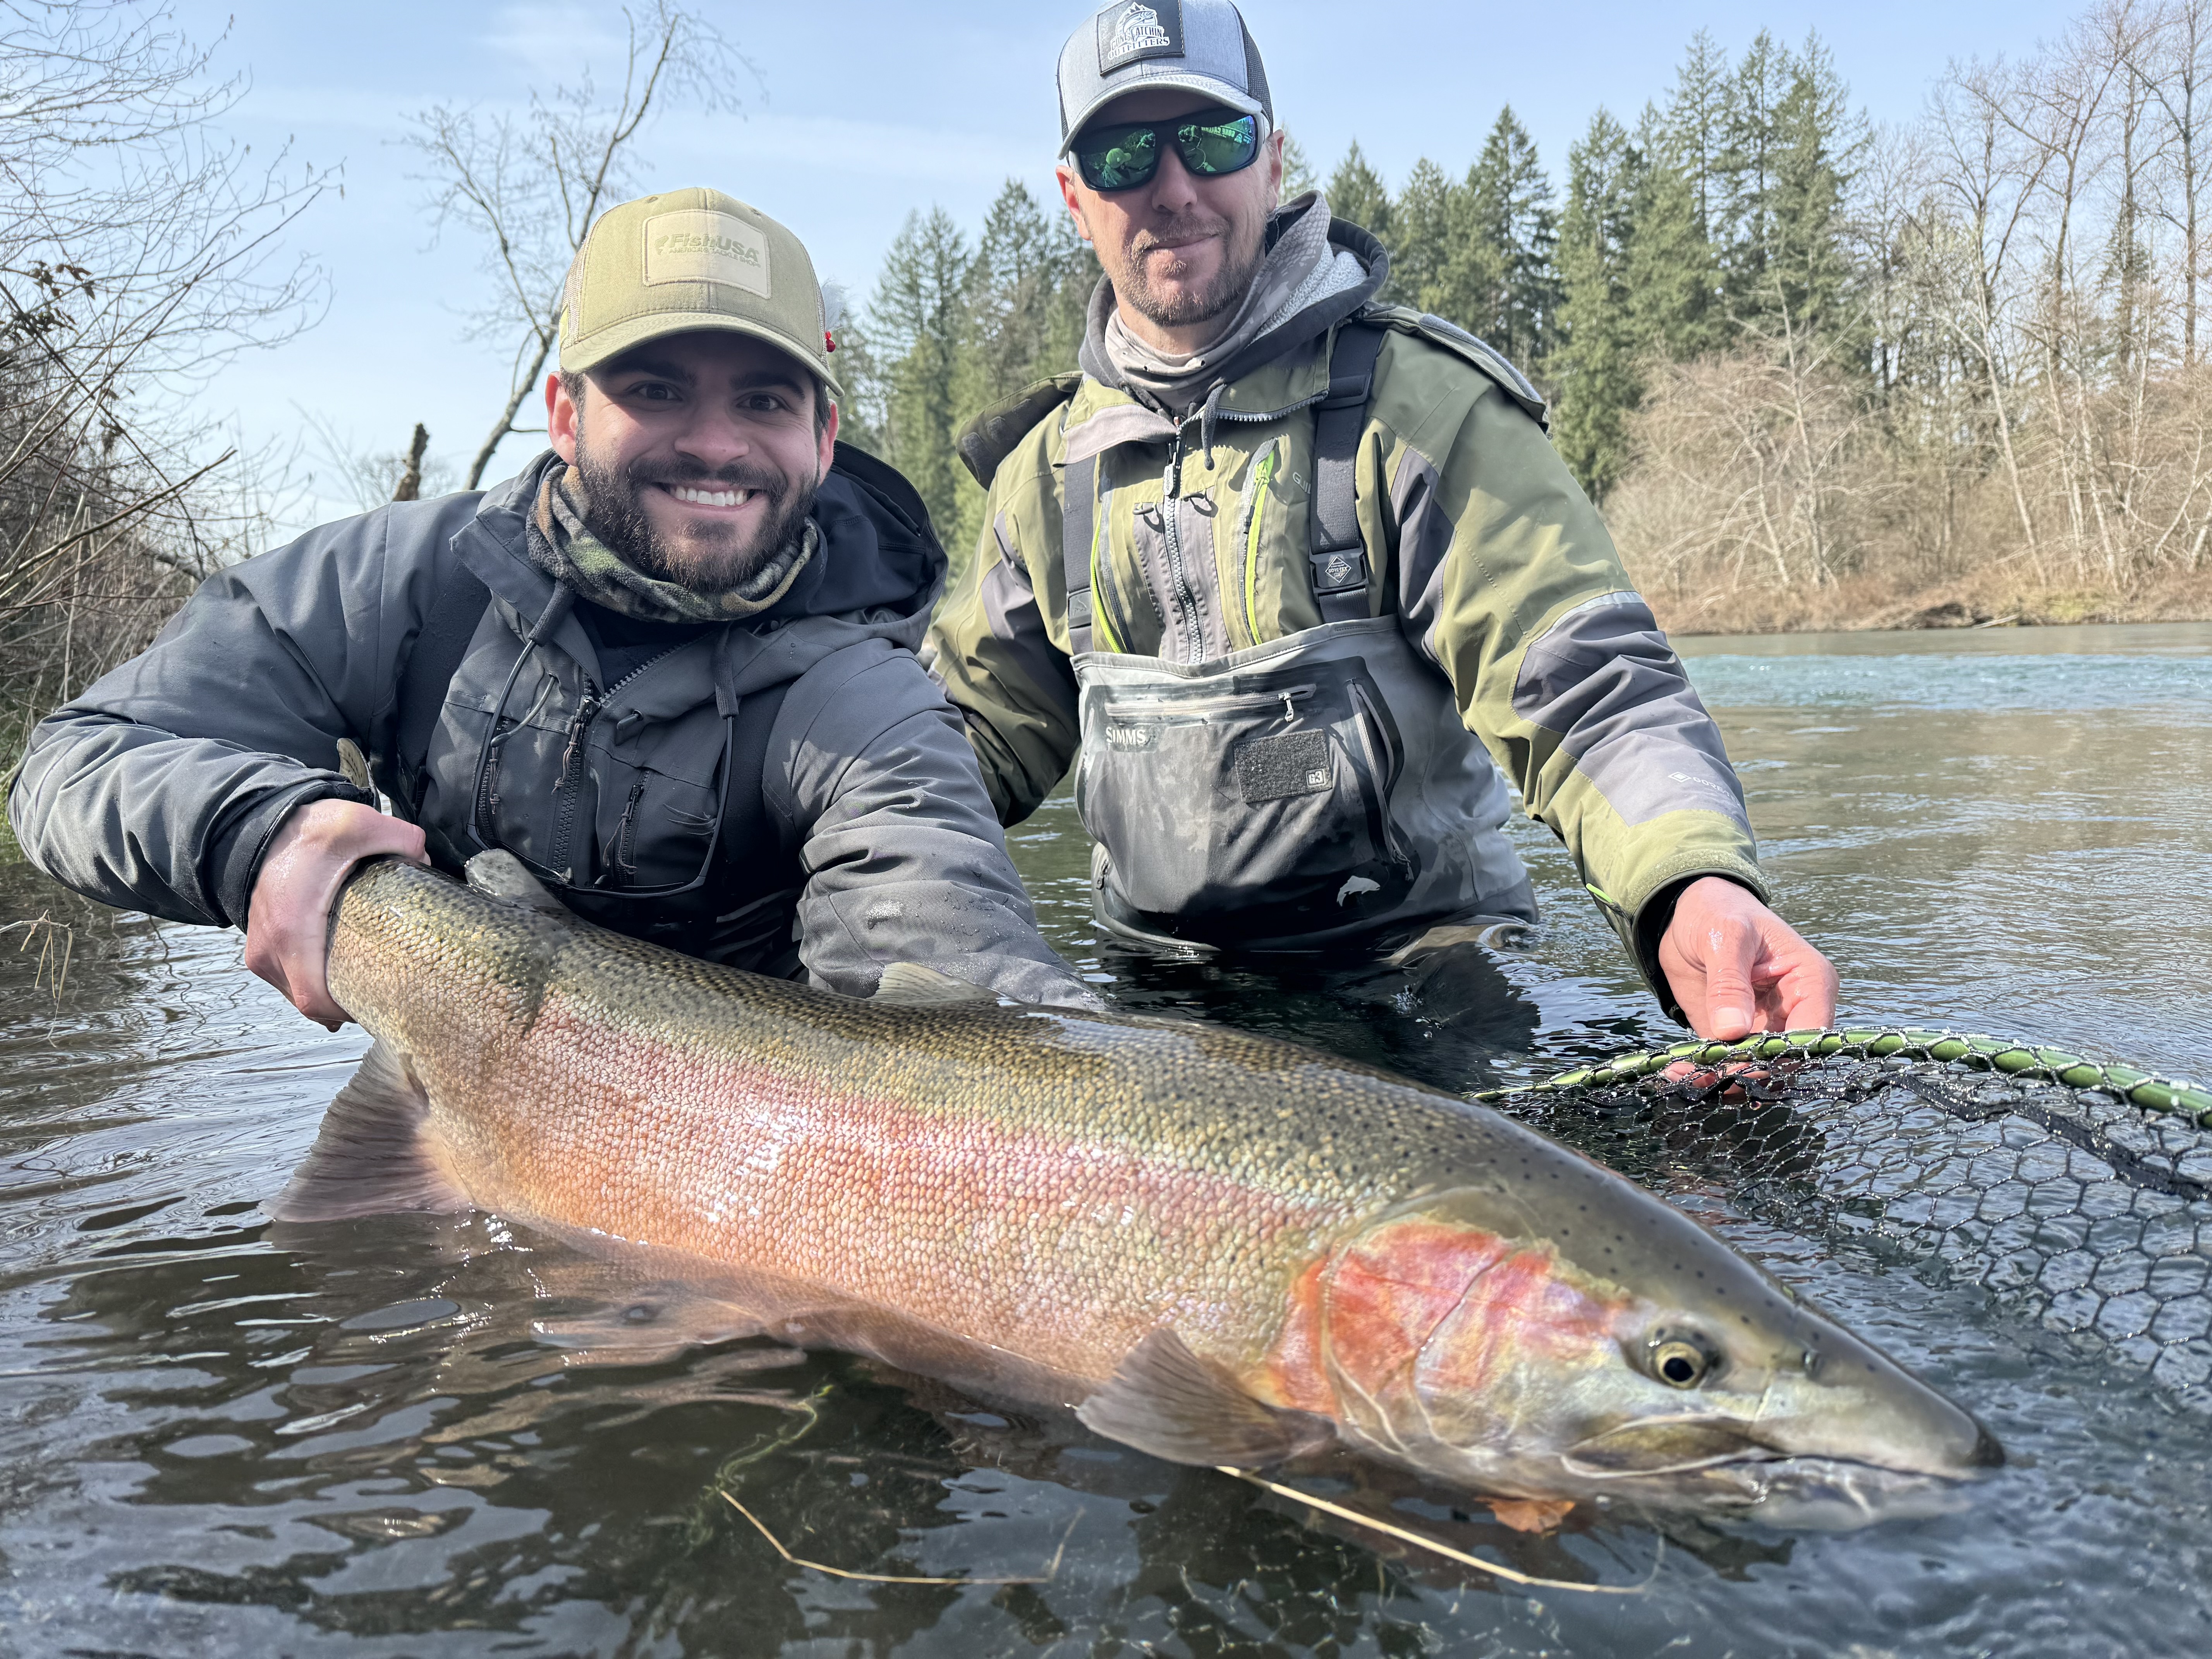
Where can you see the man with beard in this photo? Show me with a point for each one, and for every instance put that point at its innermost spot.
(1284, 557)
(669, 667)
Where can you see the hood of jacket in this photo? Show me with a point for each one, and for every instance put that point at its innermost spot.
(877, 574)
(1299, 328)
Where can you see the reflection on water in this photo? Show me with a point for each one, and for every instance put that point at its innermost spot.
(377, 1438)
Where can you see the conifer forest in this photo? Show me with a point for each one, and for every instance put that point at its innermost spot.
(1817, 373)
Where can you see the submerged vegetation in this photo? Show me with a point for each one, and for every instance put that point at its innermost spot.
(1818, 372)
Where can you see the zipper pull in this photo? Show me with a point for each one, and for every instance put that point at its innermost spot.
(587, 711)
(1172, 484)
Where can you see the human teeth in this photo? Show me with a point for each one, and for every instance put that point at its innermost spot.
(710, 497)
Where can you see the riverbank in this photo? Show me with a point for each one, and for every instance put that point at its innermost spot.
(1993, 598)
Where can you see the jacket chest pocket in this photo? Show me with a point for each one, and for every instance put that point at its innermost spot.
(1262, 550)
(590, 794)
(1247, 810)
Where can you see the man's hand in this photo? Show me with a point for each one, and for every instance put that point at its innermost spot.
(1737, 967)
(288, 919)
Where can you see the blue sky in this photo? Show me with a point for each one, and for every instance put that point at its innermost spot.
(866, 110)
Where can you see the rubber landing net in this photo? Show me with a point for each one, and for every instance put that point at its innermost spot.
(2078, 1194)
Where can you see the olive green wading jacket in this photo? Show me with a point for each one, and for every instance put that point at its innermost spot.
(1499, 569)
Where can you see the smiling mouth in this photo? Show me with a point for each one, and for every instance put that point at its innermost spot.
(692, 495)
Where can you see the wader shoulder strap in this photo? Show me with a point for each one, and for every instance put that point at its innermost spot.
(1078, 513)
(455, 609)
(1335, 553)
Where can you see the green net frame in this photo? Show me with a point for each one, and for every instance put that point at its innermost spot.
(2024, 1060)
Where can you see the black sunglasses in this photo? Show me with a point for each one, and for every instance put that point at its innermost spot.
(1210, 143)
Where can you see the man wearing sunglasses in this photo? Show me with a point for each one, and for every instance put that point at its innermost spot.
(1282, 559)
(669, 667)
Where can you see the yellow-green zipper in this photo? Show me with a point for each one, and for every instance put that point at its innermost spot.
(1263, 472)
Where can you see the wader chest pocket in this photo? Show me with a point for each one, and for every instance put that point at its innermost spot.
(1244, 811)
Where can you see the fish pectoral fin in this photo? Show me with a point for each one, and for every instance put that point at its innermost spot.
(1165, 1399)
(909, 982)
(499, 874)
(372, 1156)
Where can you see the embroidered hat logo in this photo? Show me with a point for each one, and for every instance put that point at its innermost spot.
(1139, 31)
(696, 245)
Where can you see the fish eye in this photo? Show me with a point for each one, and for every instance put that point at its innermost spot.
(1680, 1363)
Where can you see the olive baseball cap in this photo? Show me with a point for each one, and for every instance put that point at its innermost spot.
(686, 259)
(1198, 46)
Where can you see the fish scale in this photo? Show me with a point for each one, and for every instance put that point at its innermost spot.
(1217, 1246)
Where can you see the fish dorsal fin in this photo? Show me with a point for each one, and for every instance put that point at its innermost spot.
(371, 1156)
(909, 982)
(1166, 1401)
(499, 874)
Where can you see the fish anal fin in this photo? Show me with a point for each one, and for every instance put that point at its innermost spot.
(1167, 1401)
(911, 982)
(372, 1156)
(499, 874)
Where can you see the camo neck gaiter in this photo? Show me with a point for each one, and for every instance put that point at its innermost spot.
(564, 549)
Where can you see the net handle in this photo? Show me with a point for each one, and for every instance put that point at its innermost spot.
(2127, 1083)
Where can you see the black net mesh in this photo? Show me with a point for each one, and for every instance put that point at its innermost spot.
(2078, 1194)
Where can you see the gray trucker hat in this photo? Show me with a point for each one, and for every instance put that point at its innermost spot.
(1201, 45)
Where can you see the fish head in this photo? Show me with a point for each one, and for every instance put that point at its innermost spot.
(1607, 1347)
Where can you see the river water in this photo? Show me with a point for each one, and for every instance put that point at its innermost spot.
(214, 1439)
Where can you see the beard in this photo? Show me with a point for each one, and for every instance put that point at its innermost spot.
(706, 556)
(1241, 257)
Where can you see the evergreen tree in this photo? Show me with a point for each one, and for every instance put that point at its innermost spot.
(1693, 128)
(1673, 269)
(1299, 175)
(1426, 217)
(1017, 326)
(1813, 144)
(1500, 277)
(1596, 366)
(1357, 193)
(916, 325)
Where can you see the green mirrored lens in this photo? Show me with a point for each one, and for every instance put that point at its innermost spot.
(1123, 160)
(1221, 147)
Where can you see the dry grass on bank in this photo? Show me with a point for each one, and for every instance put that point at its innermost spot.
(1881, 602)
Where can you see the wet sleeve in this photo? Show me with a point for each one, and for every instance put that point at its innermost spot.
(904, 858)
(159, 788)
(1509, 581)
(999, 643)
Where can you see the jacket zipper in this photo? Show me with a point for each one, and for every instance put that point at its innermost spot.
(488, 796)
(1262, 476)
(1289, 698)
(1193, 631)
(626, 837)
(564, 789)
(573, 758)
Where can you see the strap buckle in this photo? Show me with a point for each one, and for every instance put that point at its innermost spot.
(1339, 570)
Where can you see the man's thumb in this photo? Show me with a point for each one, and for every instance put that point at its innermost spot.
(1729, 1001)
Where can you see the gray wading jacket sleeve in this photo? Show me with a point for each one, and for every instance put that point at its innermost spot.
(159, 788)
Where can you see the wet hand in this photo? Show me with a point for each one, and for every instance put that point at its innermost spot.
(1737, 967)
(288, 919)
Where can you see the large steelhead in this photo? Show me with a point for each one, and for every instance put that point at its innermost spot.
(1216, 1248)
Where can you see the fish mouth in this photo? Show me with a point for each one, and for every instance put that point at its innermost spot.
(1707, 1463)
